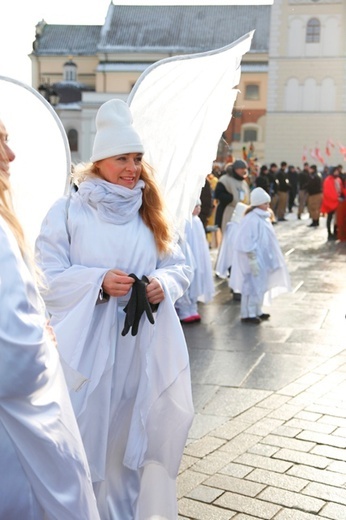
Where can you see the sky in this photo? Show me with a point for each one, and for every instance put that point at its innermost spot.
(18, 19)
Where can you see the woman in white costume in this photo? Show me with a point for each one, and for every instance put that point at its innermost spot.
(135, 408)
(258, 269)
(44, 471)
(202, 285)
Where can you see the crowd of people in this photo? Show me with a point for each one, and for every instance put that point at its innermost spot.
(291, 190)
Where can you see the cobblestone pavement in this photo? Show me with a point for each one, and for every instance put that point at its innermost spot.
(269, 435)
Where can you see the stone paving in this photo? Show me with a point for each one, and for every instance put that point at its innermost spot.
(269, 435)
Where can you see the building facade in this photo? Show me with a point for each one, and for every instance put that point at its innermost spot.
(292, 90)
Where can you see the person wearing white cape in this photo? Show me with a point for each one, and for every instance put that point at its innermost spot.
(202, 286)
(135, 407)
(44, 471)
(259, 270)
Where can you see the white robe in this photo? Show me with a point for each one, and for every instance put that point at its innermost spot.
(256, 235)
(44, 471)
(224, 258)
(135, 409)
(202, 287)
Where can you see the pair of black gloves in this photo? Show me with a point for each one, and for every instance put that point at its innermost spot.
(137, 305)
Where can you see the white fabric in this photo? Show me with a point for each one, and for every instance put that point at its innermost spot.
(202, 286)
(44, 472)
(115, 133)
(224, 257)
(142, 382)
(181, 106)
(256, 235)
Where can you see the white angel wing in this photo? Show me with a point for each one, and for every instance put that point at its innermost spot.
(181, 106)
(39, 173)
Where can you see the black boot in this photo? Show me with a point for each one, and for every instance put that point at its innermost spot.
(314, 223)
(335, 234)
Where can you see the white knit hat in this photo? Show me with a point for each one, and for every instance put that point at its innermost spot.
(259, 196)
(115, 133)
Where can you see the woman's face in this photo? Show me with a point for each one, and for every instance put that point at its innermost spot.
(6, 154)
(123, 169)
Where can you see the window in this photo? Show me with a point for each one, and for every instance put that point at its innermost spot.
(72, 137)
(70, 71)
(313, 31)
(252, 92)
(250, 135)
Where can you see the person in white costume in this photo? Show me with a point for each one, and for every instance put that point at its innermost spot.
(135, 407)
(224, 258)
(259, 270)
(202, 286)
(44, 471)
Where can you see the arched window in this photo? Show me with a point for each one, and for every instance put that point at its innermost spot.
(313, 31)
(72, 136)
(70, 71)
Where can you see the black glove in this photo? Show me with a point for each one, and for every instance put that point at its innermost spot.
(137, 304)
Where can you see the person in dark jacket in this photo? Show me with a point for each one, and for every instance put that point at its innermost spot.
(231, 189)
(303, 178)
(206, 203)
(262, 181)
(273, 188)
(292, 176)
(283, 190)
(314, 190)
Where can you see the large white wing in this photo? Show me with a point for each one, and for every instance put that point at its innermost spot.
(39, 173)
(181, 106)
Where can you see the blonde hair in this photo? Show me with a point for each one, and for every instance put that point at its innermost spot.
(152, 211)
(6, 207)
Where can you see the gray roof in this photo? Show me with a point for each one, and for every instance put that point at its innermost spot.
(183, 28)
(68, 39)
(176, 29)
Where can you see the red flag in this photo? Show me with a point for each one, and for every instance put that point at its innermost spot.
(305, 155)
(319, 156)
(342, 149)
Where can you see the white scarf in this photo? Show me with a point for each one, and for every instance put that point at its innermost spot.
(114, 203)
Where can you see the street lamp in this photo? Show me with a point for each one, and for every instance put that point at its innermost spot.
(48, 92)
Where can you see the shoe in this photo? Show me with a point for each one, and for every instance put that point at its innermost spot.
(236, 296)
(195, 318)
(264, 316)
(253, 321)
(282, 219)
(313, 224)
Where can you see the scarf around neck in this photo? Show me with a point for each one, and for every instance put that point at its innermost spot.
(114, 203)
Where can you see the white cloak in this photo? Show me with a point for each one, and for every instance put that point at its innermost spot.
(256, 235)
(76, 248)
(202, 285)
(44, 471)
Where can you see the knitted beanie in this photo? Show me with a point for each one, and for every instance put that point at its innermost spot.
(259, 196)
(115, 134)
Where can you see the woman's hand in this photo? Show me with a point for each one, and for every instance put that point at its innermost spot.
(155, 292)
(117, 283)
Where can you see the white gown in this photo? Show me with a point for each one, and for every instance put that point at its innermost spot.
(44, 471)
(202, 287)
(135, 408)
(256, 235)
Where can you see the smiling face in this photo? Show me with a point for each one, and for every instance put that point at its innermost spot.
(122, 169)
(6, 154)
